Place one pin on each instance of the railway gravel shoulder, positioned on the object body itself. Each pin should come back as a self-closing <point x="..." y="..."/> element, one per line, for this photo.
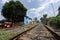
<point x="56" y="35"/>
<point x="24" y="30"/>
<point x="38" y="33"/>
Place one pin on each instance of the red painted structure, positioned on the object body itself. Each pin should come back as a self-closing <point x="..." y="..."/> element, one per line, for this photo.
<point x="8" y="24"/>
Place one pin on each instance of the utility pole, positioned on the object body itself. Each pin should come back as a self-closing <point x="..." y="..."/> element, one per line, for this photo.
<point x="53" y="8"/>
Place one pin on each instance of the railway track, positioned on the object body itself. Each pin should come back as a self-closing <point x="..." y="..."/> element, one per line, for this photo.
<point x="53" y="33"/>
<point x="37" y="33"/>
<point x="21" y="34"/>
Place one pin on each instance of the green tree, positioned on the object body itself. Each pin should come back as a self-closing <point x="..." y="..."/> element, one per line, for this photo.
<point x="45" y="16"/>
<point x="28" y="17"/>
<point x="14" y="11"/>
<point x="35" y="19"/>
<point x="41" y="19"/>
<point x="58" y="11"/>
<point x="54" y="21"/>
<point x="44" y="19"/>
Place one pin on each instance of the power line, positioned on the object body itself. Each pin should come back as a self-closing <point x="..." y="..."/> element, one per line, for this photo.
<point x="53" y="8"/>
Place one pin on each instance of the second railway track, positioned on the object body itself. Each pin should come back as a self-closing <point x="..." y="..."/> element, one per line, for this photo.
<point x="39" y="32"/>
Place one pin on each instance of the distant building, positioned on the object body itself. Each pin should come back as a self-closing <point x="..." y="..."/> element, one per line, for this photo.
<point x="27" y="20"/>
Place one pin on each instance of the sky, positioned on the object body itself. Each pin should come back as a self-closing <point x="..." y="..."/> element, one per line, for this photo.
<point x="37" y="8"/>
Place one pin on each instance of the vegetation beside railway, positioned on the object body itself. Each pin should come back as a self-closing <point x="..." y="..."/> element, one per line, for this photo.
<point x="55" y="22"/>
<point x="52" y="21"/>
<point x="14" y="11"/>
<point x="5" y="35"/>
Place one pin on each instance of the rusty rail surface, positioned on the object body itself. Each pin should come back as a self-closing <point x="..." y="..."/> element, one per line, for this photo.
<point x="21" y="34"/>
<point x="57" y="37"/>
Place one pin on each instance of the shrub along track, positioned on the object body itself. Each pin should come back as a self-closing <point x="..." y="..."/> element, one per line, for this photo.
<point x="54" y="35"/>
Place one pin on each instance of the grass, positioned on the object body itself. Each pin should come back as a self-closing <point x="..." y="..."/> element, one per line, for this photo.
<point x="5" y="35"/>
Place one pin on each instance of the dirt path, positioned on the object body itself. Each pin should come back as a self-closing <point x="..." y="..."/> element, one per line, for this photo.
<point x="38" y="33"/>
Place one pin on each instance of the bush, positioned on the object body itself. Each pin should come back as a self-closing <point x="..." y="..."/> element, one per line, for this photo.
<point x="54" y="21"/>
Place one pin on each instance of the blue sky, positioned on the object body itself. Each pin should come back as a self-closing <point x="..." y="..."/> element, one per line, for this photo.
<point x="36" y="8"/>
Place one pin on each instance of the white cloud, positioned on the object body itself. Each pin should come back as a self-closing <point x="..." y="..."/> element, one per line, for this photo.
<point x="41" y="7"/>
<point x="33" y="12"/>
<point x="3" y="1"/>
<point x="54" y="1"/>
<point x="37" y="10"/>
<point x="29" y="1"/>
